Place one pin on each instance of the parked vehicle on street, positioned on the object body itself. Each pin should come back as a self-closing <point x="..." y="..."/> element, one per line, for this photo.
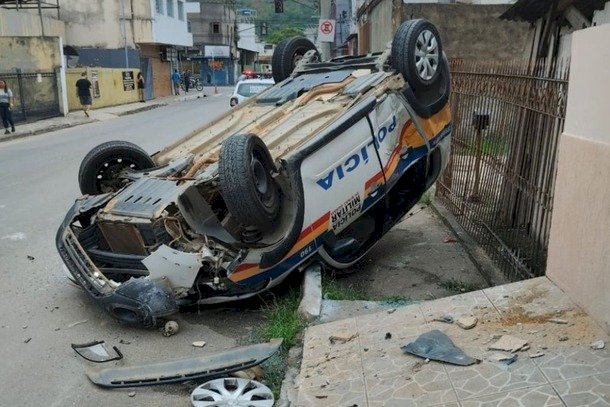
<point x="248" y="88"/>
<point x="312" y="171"/>
<point x="194" y="83"/>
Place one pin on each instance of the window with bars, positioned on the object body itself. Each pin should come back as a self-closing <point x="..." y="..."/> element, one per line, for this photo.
<point x="181" y="10"/>
<point x="170" y="8"/>
<point x="159" y="6"/>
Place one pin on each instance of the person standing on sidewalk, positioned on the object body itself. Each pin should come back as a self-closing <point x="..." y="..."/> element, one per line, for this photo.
<point x="83" y="90"/>
<point x="6" y="106"/>
<point x="187" y="81"/>
<point x="176" y="81"/>
<point x="141" y="84"/>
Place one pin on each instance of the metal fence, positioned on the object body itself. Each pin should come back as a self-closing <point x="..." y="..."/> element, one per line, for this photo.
<point x="499" y="182"/>
<point x="36" y="94"/>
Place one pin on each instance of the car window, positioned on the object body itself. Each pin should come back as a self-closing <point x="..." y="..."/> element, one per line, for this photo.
<point x="249" y="89"/>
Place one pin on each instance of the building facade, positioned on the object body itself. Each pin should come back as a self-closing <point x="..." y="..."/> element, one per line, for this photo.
<point x="214" y="34"/>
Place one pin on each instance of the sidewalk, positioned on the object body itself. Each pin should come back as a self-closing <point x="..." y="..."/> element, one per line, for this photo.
<point x="559" y="368"/>
<point x="75" y="118"/>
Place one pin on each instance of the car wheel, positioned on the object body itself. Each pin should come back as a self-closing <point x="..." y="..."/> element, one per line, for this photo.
<point x="101" y="168"/>
<point x="287" y="55"/>
<point x="245" y="170"/>
<point x="233" y="102"/>
<point x="427" y="102"/>
<point x="417" y="53"/>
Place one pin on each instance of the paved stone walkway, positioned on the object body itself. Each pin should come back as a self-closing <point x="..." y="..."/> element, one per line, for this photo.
<point x="370" y="370"/>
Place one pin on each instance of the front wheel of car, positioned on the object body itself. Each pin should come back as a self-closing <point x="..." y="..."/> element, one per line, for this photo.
<point x="101" y="169"/>
<point x="287" y="55"/>
<point x="245" y="170"/>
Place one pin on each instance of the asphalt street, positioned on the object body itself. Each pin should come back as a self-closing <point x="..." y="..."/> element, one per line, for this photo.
<point x="42" y="314"/>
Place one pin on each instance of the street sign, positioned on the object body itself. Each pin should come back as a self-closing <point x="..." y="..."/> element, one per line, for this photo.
<point x="326" y="30"/>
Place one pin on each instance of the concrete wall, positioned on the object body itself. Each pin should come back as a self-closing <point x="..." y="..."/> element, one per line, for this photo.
<point x="25" y="24"/>
<point x="201" y="24"/>
<point x="579" y="257"/>
<point x="110" y="85"/>
<point x="29" y="53"/>
<point x="467" y="31"/>
<point x="474" y="31"/>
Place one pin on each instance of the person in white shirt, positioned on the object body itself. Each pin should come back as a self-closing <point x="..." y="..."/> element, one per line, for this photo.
<point x="6" y="106"/>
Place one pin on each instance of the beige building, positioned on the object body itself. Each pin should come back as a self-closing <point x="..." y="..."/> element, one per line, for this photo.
<point x="579" y="257"/>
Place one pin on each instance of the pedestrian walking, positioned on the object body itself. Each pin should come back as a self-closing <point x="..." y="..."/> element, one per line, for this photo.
<point x="83" y="90"/>
<point x="141" y="84"/>
<point x="6" y="106"/>
<point x="187" y="81"/>
<point x="176" y="81"/>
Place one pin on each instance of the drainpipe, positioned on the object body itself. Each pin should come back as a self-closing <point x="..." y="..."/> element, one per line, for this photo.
<point x="124" y="32"/>
<point x="41" y="20"/>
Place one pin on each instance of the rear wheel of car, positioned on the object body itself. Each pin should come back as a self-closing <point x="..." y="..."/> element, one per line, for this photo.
<point x="245" y="169"/>
<point x="287" y="55"/>
<point x="101" y="168"/>
<point x="417" y="53"/>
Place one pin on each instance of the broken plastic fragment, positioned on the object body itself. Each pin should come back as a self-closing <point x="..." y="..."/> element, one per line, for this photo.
<point x="435" y="345"/>
<point x="97" y="352"/>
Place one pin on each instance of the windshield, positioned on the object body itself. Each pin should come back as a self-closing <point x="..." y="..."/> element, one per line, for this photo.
<point x="249" y="89"/>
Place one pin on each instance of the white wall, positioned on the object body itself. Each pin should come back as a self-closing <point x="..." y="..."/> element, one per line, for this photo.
<point x="171" y="30"/>
<point x="24" y="24"/>
<point x="247" y="38"/>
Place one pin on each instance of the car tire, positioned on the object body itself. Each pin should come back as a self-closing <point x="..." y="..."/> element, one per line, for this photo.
<point x="99" y="170"/>
<point x="427" y="102"/>
<point x="247" y="186"/>
<point x="417" y="53"/>
<point x="287" y="54"/>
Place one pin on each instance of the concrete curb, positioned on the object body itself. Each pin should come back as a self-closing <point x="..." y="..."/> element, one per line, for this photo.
<point x="311" y="301"/>
<point x="484" y="264"/>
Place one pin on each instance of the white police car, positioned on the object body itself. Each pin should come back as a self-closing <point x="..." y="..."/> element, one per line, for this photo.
<point x="248" y="88"/>
<point x="311" y="171"/>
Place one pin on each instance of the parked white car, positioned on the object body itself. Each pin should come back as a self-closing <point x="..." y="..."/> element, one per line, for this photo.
<point x="249" y="87"/>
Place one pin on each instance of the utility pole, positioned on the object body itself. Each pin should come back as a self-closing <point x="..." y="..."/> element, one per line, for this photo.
<point x="40" y="15"/>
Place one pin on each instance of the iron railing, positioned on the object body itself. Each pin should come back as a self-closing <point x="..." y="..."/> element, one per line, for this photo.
<point x="36" y="94"/>
<point x="499" y="183"/>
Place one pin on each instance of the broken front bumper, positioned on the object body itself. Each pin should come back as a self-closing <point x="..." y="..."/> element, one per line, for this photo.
<point x="136" y="301"/>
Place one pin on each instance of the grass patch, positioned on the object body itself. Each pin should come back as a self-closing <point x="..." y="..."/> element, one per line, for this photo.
<point x="397" y="300"/>
<point x="426" y="198"/>
<point x="281" y="321"/>
<point x="456" y="286"/>
<point x="332" y="290"/>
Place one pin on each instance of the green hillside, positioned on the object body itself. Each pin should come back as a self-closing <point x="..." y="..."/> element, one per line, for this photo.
<point x="299" y="14"/>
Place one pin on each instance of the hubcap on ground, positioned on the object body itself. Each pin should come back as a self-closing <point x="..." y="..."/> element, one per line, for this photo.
<point x="232" y="392"/>
<point x="426" y="55"/>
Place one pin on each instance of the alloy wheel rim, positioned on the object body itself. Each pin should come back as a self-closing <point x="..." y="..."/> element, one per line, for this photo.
<point x="232" y="392"/>
<point x="426" y="55"/>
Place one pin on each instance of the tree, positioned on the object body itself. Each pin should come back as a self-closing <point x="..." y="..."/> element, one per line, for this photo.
<point x="279" y="35"/>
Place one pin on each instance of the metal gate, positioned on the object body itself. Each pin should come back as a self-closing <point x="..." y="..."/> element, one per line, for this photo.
<point x="507" y="121"/>
<point x="36" y="94"/>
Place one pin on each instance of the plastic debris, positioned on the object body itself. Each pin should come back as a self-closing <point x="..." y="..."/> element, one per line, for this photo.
<point x="435" y="345"/>
<point x="598" y="345"/>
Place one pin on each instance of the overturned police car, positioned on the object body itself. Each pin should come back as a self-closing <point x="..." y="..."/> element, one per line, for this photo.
<point x="315" y="169"/>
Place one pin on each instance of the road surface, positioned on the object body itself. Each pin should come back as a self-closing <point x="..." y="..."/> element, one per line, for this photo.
<point x="37" y="186"/>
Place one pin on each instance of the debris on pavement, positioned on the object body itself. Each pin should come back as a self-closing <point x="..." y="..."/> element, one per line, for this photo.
<point x="598" y="345"/>
<point x="199" y="344"/>
<point x="73" y="324"/>
<point x="97" y="352"/>
<point x="27" y="340"/>
<point x="536" y="355"/>
<point x="182" y="370"/>
<point x="446" y="318"/>
<point x="131" y="394"/>
<point x="391" y="310"/>
<point x="388" y="335"/>
<point x="467" y="322"/>
<point x="450" y="239"/>
<point x="124" y="342"/>
<point x="342" y="337"/>
<point x="563" y="338"/>
<point x="508" y="343"/>
<point x="31" y="258"/>
<point x="435" y="345"/>
<point x="170" y="328"/>
<point x="557" y="321"/>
